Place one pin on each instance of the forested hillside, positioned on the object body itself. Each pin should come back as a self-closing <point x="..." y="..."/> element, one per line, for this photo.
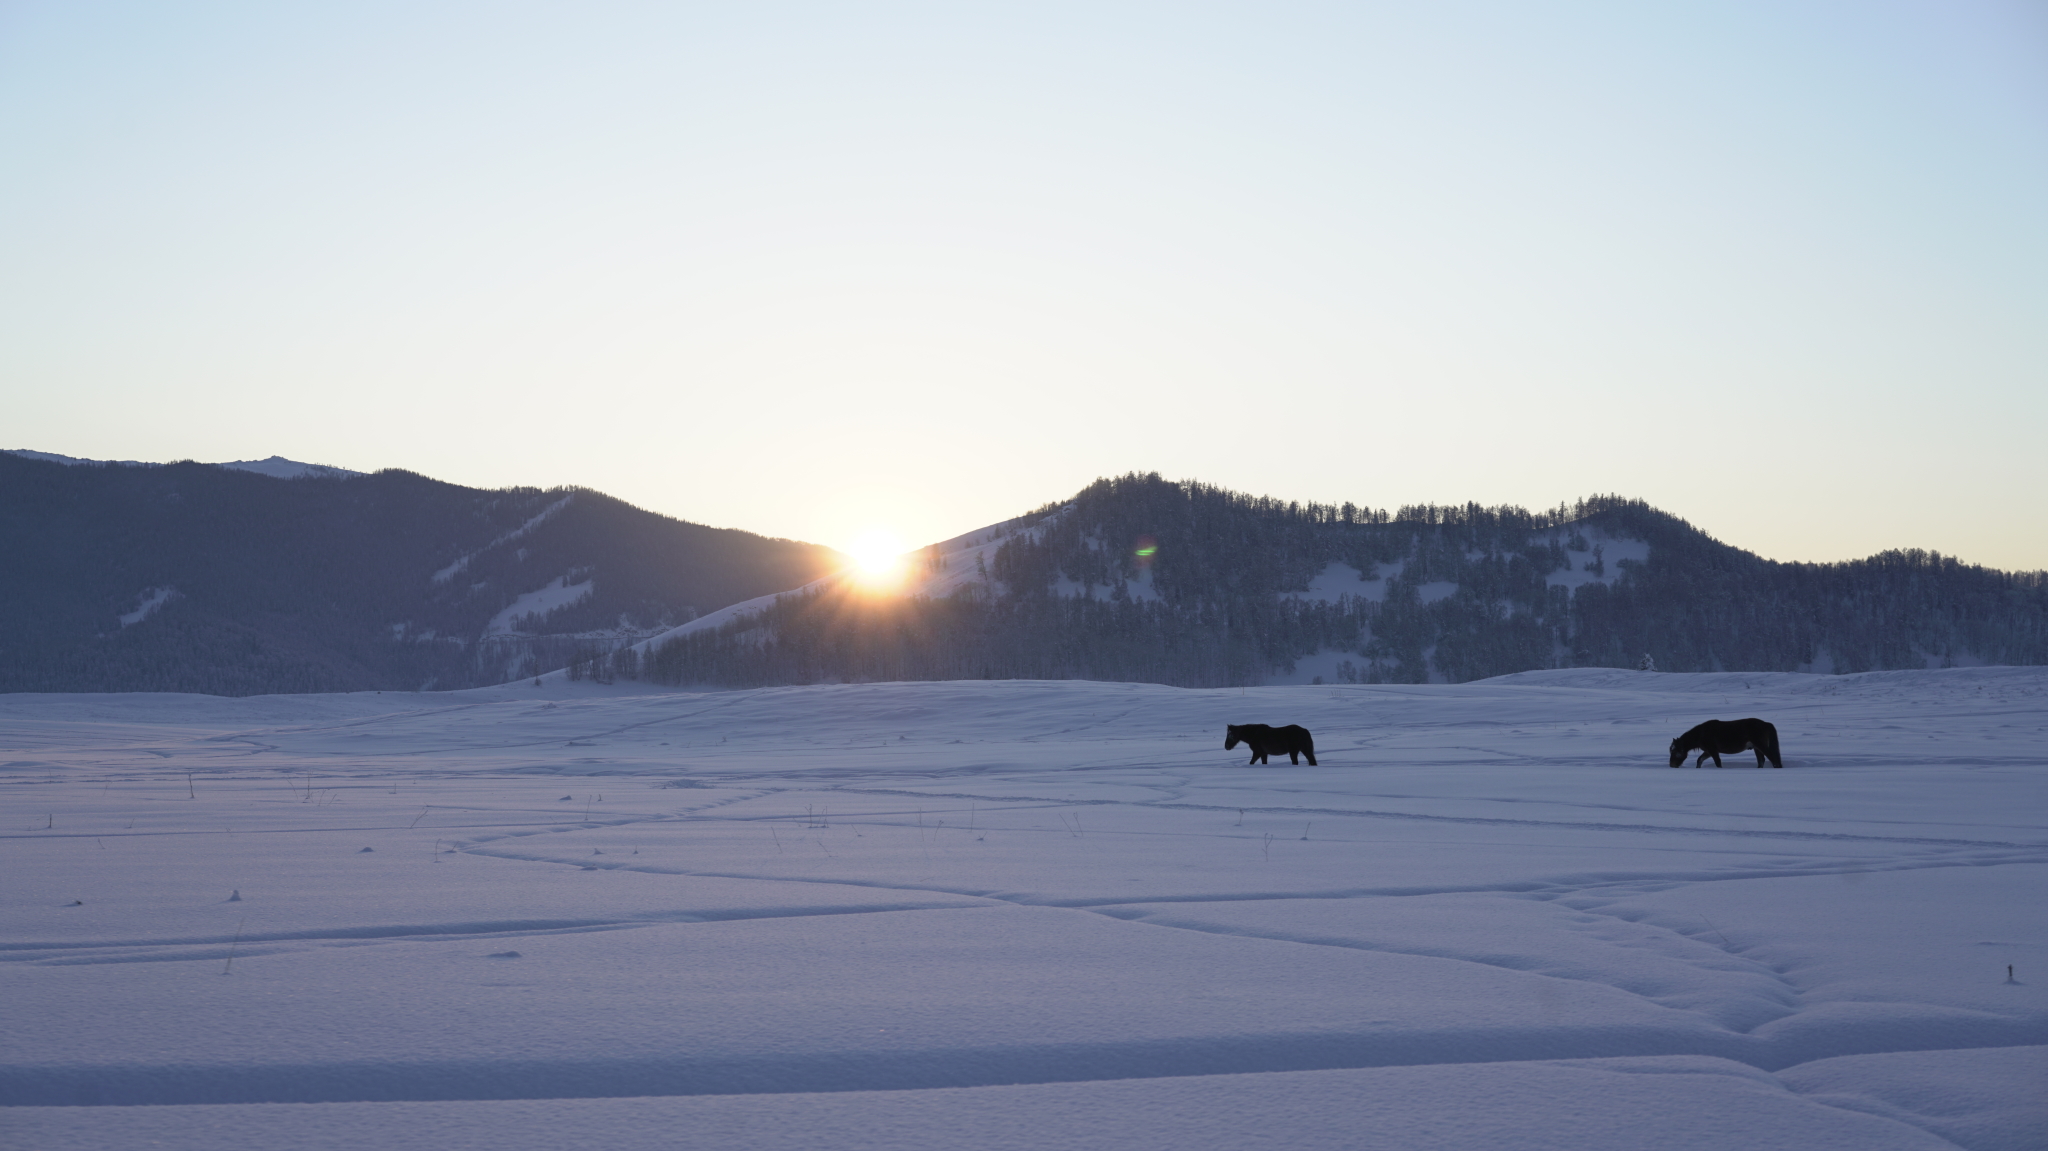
<point x="1142" y="579"/>
<point x="194" y="577"/>
<point x="197" y="577"/>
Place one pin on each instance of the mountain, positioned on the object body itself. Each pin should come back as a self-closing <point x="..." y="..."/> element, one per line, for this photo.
<point x="1142" y="579"/>
<point x="276" y="467"/>
<point x="229" y="580"/>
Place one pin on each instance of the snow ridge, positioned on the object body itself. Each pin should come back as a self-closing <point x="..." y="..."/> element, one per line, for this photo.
<point x="152" y="599"/>
<point x="461" y="562"/>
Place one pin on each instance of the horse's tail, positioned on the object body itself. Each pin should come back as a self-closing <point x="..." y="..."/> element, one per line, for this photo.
<point x="1308" y="748"/>
<point x="1770" y="745"/>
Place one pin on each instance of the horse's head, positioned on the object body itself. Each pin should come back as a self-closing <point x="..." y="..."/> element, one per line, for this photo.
<point x="1678" y="750"/>
<point x="1230" y="736"/>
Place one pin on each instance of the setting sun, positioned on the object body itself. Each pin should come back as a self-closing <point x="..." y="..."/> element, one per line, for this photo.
<point x="877" y="555"/>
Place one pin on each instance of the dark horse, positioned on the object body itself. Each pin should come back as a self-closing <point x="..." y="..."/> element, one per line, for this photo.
<point x="1263" y="740"/>
<point x="1730" y="735"/>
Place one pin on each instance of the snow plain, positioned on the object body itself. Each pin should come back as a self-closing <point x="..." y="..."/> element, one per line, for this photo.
<point x="1029" y="914"/>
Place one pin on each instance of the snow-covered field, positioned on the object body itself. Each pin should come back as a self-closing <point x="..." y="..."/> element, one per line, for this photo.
<point x="1029" y="915"/>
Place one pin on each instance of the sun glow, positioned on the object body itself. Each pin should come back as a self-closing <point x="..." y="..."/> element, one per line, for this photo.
<point x="877" y="557"/>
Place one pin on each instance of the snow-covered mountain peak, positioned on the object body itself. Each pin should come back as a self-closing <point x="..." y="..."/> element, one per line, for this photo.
<point x="278" y="467"/>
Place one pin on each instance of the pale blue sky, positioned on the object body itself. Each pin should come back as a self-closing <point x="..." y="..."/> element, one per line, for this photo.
<point x="1780" y="268"/>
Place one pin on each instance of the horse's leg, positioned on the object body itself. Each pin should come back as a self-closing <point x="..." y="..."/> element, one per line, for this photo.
<point x="1294" y="757"/>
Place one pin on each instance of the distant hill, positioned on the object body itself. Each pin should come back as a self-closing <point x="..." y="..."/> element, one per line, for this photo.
<point x="1143" y="579"/>
<point x="276" y="467"/>
<point x="230" y="580"/>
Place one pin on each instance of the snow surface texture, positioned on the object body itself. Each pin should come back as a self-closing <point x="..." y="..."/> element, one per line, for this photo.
<point x="276" y="467"/>
<point x="1029" y="915"/>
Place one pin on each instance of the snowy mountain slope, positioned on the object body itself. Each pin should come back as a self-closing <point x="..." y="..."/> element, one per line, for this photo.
<point x="560" y="594"/>
<point x="964" y="563"/>
<point x="1020" y="914"/>
<point x="947" y="568"/>
<point x="203" y="577"/>
<point x="1140" y="579"/>
<point x="227" y="580"/>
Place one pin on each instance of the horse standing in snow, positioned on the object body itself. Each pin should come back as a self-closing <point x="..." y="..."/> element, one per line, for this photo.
<point x="1263" y="740"/>
<point x="1730" y="735"/>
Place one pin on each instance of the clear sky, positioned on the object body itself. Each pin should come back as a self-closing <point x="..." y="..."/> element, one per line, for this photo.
<point x="1778" y="267"/>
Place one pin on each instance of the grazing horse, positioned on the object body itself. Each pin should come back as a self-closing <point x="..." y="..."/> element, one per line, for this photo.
<point x="1292" y="739"/>
<point x="1730" y="735"/>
